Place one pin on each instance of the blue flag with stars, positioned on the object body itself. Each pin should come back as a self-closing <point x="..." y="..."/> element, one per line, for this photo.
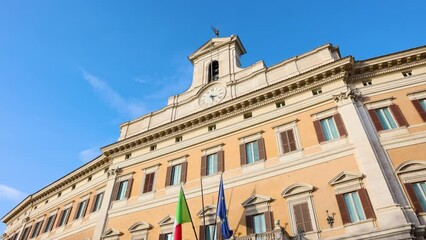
<point x="221" y="213"/>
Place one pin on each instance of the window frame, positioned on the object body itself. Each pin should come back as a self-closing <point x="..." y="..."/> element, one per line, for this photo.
<point x="37" y="228"/>
<point x="411" y="172"/>
<point x="395" y="112"/>
<point x="81" y="210"/>
<point x="338" y="124"/>
<point x="347" y="182"/>
<point x="255" y="138"/>
<point x="50" y="224"/>
<point x="183" y="174"/>
<point x="415" y="98"/>
<point x="98" y="198"/>
<point x="220" y="160"/>
<point x="300" y="193"/>
<point x="118" y="193"/>
<point x="283" y="128"/>
<point x="64" y="216"/>
<point x="254" y="206"/>
<point x="153" y="170"/>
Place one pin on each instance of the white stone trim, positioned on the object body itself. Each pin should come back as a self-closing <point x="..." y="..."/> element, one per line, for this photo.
<point x="412" y="171"/>
<point x="346" y="182"/>
<point x="379" y="104"/>
<point x="209" y="214"/>
<point x="153" y="169"/>
<point x="166" y="224"/>
<point x="212" y="150"/>
<point x="282" y="128"/>
<point x="324" y="114"/>
<point x="251" y="137"/>
<point x="417" y="95"/>
<point x="140" y="230"/>
<point x="296" y="189"/>
<point x="177" y="161"/>
<point x="125" y="177"/>
<point x="256" y="204"/>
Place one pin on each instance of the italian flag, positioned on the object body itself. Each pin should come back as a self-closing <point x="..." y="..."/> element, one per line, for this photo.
<point x="182" y="216"/>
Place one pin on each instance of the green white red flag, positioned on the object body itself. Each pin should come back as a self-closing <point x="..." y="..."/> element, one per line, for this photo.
<point x="182" y="216"/>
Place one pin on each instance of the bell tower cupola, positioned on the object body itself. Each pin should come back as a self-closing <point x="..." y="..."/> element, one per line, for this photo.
<point x="216" y="60"/>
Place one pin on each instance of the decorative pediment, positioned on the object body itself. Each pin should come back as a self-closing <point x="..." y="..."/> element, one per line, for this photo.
<point x="215" y="43"/>
<point x="297" y="188"/>
<point x="256" y="199"/>
<point x="346" y="177"/>
<point x="208" y="211"/>
<point x="112" y="232"/>
<point x="140" y="226"/>
<point x="167" y="221"/>
<point x="411" y="166"/>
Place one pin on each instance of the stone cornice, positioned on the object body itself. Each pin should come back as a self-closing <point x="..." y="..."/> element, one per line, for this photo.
<point x="246" y="102"/>
<point x="59" y="185"/>
<point x="389" y="63"/>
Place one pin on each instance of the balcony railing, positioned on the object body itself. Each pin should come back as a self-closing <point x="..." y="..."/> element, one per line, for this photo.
<point x="278" y="234"/>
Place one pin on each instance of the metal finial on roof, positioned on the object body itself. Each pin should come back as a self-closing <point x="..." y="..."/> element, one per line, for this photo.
<point x="215" y="30"/>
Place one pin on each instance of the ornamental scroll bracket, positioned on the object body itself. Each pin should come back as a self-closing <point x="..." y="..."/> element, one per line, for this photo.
<point x="351" y="94"/>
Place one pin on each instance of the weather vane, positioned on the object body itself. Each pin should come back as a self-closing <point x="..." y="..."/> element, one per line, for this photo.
<point x="215" y="30"/>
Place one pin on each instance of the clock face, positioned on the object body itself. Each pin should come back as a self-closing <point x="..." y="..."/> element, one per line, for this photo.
<point x="211" y="96"/>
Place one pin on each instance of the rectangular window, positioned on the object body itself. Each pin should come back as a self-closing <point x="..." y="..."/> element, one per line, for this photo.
<point x="149" y="182"/>
<point x="178" y="139"/>
<point x="420" y="105"/>
<point x="280" y="104"/>
<point x="247" y="115"/>
<point x="98" y="202"/>
<point x="354" y="207"/>
<point x="316" y="91"/>
<point x="169" y="236"/>
<point x="25" y="233"/>
<point x="211" y="231"/>
<point x="81" y="209"/>
<point x="302" y="217"/>
<point x="329" y="129"/>
<point x="288" y="142"/>
<point x="153" y="147"/>
<point x="49" y="224"/>
<point x="423" y="104"/>
<point x="176" y="174"/>
<point x="122" y="189"/>
<point x="36" y="229"/>
<point x="64" y="217"/>
<point x="385" y="118"/>
<point x="252" y="152"/>
<point x="212" y="127"/>
<point x="259" y="225"/>
<point x="367" y="83"/>
<point x="212" y="164"/>
<point x="420" y="191"/>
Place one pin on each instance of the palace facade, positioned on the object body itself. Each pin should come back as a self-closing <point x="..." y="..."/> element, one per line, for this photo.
<point x="318" y="146"/>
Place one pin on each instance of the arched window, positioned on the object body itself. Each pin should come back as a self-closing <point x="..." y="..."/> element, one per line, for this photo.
<point x="213" y="71"/>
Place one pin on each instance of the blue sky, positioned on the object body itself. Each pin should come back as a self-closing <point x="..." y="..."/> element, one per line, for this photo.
<point x="72" y="71"/>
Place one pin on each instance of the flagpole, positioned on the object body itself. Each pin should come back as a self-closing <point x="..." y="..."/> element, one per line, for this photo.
<point x="186" y="203"/>
<point x="215" y="219"/>
<point x="202" y="202"/>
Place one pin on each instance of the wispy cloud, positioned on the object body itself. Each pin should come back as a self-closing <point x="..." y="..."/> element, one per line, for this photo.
<point x="88" y="154"/>
<point x="168" y="85"/>
<point x="114" y="99"/>
<point x="9" y="193"/>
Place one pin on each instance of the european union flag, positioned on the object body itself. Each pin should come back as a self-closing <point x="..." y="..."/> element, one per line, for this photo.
<point x="221" y="213"/>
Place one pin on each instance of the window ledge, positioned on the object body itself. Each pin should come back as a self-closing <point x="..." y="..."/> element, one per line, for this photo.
<point x="327" y="145"/>
<point x="119" y="203"/>
<point x="77" y="222"/>
<point x="146" y="196"/>
<point x="214" y="178"/>
<point x="174" y="189"/>
<point x="394" y="132"/>
<point x="94" y="215"/>
<point x="291" y="156"/>
<point x="258" y="165"/>
<point x="360" y="226"/>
